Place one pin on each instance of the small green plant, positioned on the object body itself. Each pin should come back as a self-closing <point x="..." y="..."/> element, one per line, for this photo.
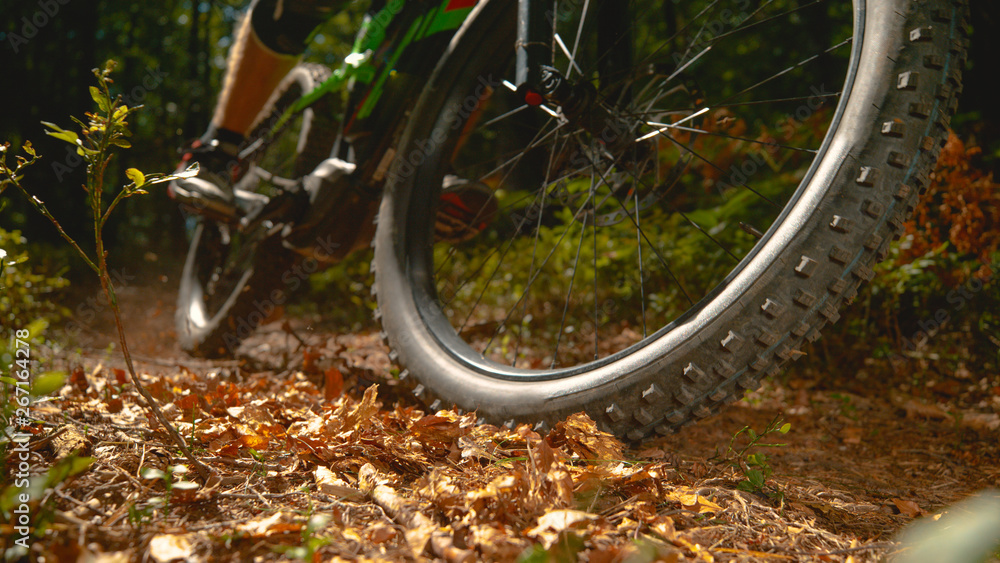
<point x="260" y="463"/>
<point x="170" y="484"/>
<point x="99" y="139"/>
<point x="23" y="503"/>
<point x="25" y="292"/>
<point x="311" y="542"/>
<point x="753" y="465"/>
<point x="140" y="515"/>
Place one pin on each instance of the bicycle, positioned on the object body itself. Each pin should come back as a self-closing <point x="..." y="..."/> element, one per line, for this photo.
<point x="667" y="204"/>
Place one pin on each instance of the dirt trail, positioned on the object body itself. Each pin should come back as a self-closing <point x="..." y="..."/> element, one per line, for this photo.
<point x="864" y="457"/>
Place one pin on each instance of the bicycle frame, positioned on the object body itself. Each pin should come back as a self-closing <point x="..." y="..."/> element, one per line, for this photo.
<point x="397" y="45"/>
<point x="409" y="30"/>
<point x="395" y="53"/>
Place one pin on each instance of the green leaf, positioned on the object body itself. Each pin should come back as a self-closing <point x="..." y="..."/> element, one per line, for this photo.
<point x="136" y="176"/>
<point x="62" y="134"/>
<point x="785" y="428"/>
<point x="189" y="172"/>
<point x="756" y="478"/>
<point x="536" y="554"/>
<point x="98" y="97"/>
<point x="151" y="473"/>
<point x="122" y="143"/>
<point x="37" y="326"/>
<point x="317" y="522"/>
<point x="66" y="468"/>
<point x="84" y="151"/>
<point x="48" y="383"/>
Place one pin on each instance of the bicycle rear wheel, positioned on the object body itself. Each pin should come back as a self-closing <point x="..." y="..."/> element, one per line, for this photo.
<point x="236" y="276"/>
<point x="735" y="191"/>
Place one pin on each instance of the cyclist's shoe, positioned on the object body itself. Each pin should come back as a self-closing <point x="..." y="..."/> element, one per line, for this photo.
<point x="210" y="193"/>
<point x="467" y="208"/>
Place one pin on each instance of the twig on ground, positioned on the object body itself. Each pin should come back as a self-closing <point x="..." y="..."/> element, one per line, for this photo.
<point x="78" y="502"/>
<point x="441" y="542"/>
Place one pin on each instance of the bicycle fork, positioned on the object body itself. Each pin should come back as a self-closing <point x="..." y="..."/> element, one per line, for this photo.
<point x="539" y="82"/>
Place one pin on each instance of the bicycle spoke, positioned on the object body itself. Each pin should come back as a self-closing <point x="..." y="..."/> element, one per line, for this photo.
<point x="642" y="277"/>
<point x="787" y="70"/>
<point x="532" y="280"/>
<point x="579" y="34"/>
<point x="500" y="118"/>
<point x="562" y="46"/>
<point x="534" y="250"/>
<point x="646" y="204"/>
<point x="545" y="187"/>
<point x="737" y="104"/>
<point x="771" y="18"/>
<point x="659" y="256"/>
<point x="723" y="135"/>
<point x="569" y="293"/>
<point x="597" y="318"/>
<point x="716" y="166"/>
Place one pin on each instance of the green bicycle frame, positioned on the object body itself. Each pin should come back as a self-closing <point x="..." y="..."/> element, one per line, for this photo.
<point x="403" y="30"/>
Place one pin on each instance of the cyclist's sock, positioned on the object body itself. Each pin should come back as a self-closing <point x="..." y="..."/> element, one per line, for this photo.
<point x="268" y="44"/>
<point x="229" y="141"/>
<point x="254" y="72"/>
<point x="286" y="26"/>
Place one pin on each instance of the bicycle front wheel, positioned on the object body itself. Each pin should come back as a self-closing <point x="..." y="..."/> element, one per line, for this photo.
<point x="728" y="178"/>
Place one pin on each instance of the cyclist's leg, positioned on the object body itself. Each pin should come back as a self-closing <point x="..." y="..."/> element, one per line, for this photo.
<point x="268" y="44"/>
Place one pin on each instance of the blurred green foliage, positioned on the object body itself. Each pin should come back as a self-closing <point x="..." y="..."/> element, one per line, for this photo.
<point x="26" y="289"/>
<point x="172" y="59"/>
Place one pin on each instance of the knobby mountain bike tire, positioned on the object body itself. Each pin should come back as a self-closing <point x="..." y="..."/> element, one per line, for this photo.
<point x="758" y="162"/>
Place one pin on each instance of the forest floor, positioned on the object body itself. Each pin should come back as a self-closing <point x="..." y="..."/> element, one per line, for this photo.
<point x="320" y="455"/>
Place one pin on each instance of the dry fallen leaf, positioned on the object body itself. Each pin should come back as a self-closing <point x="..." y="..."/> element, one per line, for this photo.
<point x="583" y="438"/>
<point x="555" y="522"/>
<point x="69" y="439"/>
<point x="87" y="556"/>
<point x="984" y="422"/>
<point x="908" y="507"/>
<point x="381" y="533"/>
<point x="166" y="548"/>
<point x="277" y="523"/>
<point x="852" y="435"/>
<point x="691" y="500"/>
<point x="329" y="483"/>
<point x="333" y="385"/>
<point x="664" y="527"/>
